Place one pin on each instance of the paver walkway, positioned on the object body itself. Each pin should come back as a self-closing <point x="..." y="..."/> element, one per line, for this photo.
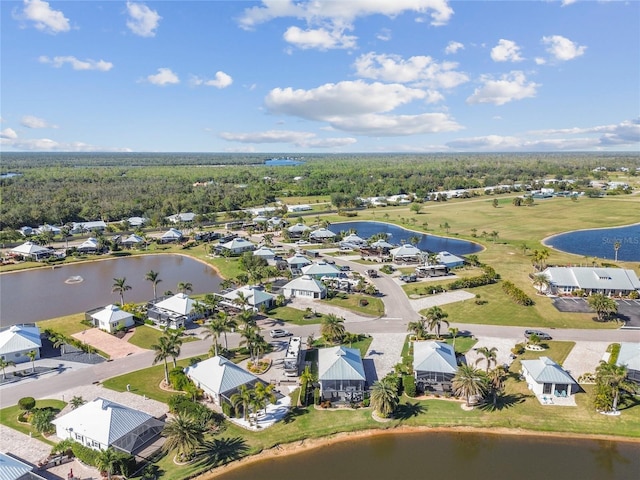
<point x="109" y="344"/>
<point x="384" y="353"/>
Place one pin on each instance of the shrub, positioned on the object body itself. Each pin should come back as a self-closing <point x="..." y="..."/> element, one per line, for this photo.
<point x="228" y="410"/>
<point x="364" y="302"/>
<point x="366" y="402"/>
<point x="27" y="403"/>
<point x="516" y="294"/>
<point x="85" y="454"/>
<point x="409" y="385"/>
<point x="316" y="396"/>
<point x="518" y="349"/>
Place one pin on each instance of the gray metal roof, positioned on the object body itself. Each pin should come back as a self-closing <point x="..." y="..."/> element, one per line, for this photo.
<point x="629" y="355"/>
<point x="588" y="278"/>
<point x="19" y="338"/>
<point x="545" y="370"/>
<point x="305" y="283"/>
<point x="11" y="468"/>
<point x="219" y="374"/>
<point x="434" y="357"/>
<point x="340" y="363"/>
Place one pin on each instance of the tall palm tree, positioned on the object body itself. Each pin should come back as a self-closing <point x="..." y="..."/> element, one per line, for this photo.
<point x="152" y="277"/>
<point x="469" y="382"/>
<point x="185" y="434"/>
<point x="241" y="300"/>
<point x="77" y="401"/>
<point x="332" y="328"/>
<point x="603" y="305"/>
<point x="107" y="461"/>
<point x="163" y="350"/>
<point x="32" y="354"/>
<point x="417" y="328"/>
<point x="264" y="395"/>
<point x="175" y="343"/>
<point x="229" y="323"/>
<point x="384" y="397"/>
<point x="4" y="364"/>
<point x="58" y="340"/>
<point x="435" y="317"/>
<point x="243" y="398"/>
<point x="488" y="355"/>
<point x="120" y="286"/>
<point x="214" y="329"/>
<point x="613" y="378"/>
<point x="541" y="282"/>
<point x="185" y="287"/>
<point x="616" y="247"/>
<point x="496" y="378"/>
<point x="453" y="331"/>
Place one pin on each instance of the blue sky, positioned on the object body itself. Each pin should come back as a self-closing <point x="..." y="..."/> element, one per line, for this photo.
<point x="320" y="76"/>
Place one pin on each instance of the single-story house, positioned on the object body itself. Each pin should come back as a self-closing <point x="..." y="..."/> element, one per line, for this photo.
<point x="298" y="208"/>
<point x="90" y="245"/>
<point x="304" y="286"/>
<point x="298" y="261"/>
<point x="17" y="341"/>
<point x="174" y="311"/>
<point x="381" y="245"/>
<point x="137" y="221"/>
<point x="449" y="260"/>
<point x="101" y="424"/>
<point x="49" y="228"/>
<point x="406" y="253"/>
<point x="237" y="246"/>
<point x="13" y="469"/>
<point x="353" y="240"/>
<point x="322" y="235"/>
<point x="341" y="374"/>
<point x="182" y="217"/>
<point x="320" y="269"/>
<point x="26" y="231"/>
<point x="220" y="378"/>
<point x="171" y="235"/>
<point x="31" y="251"/>
<point x="132" y="240"/>
<point x="629" y="356"/>
<point x="81" y="227"/>
<point x="110" y="318"/>
<point x="546" y="377"/>
<point x="434" y="366"/>
<point x="266" y="253"/>
<point x="256" y="298"/>
<point x="298" y="230"/>
<point x="608" y="281"/>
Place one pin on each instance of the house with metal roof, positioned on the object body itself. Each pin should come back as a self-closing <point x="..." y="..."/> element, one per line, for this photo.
<point x="17" y="341"/>
<point x="449" y="259"/>
<point x="548" y="380"/>
<point x="173" y="311"/>
<point x="101" y="424"/>
<point x="220" y="378"/>
<point x="298" y="261"/>
<point x="322" y="235"/>
<point x="171" y="235"/>
<point x="255" y="297"/>
<point x="406" y="253"/>
<point x="434" y="366"/>
<point x="319" y="270"/>
<point x="266" y="253"/>
<point x="90" y="245"/>
<point x="81" y="227"/>
<point x="353" y="240"/>
<point x="341" y="374"/>
<point x="182" y="217"/>
<point x="111" y="318"/>
<point x="137" y="221"/>
<point x="13" y="469"/>
<point x="237" y="246"/>
<point x="608" y="281"/>
<point x="298" y="230"/>
<point x="629" y="356"/>
<point x="31" y="251"/>
<point x="304" y="286"/>
<point x="49" y="228"/>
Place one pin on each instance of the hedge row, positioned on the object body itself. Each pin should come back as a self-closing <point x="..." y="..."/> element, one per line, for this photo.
<point x="516" y="294"/>
<point x="489" y="276"/>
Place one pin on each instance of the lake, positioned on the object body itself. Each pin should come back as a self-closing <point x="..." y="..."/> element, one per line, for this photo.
<point x="34" y="295"/>
<point x="452" y="456"/>
<point x="396" y="234"/>
<point x="600" y="242"/>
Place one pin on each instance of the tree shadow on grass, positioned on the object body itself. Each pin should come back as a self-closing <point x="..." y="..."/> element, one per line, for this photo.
<point x="408" y="410"/>
<point x="220" y="451"/>
<point x="504" y="401"/>
<point x="294" y="413"/>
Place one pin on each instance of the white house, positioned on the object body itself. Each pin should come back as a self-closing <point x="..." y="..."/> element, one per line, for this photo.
<point x="353" y="240"/>
<point x="111" y="317"/>
<point x="406" y="253"/>
<point x="220" y="378"/>
<point x="238" y="246"/>
<point x="17" y="341"/>
<point x="548" y="380"/>
<point x="132" y="241"/>
<point x="629" y="356"/>
<point x="182" y="217"/>
<point x="449" y="259"/>
<point x="171" y="235"/>
<point x="90" y="245"/>
<point x="322" y="235"/>
<point x="81" y="227"/>
<point x="298" y="261"/>
<point x="31" y="251"/>
<point x="341" y="374"/>
<point x="49" y="228"/>
<point x="13" y="469"/>
<point x="101" y="424"/>
<point x="304" y="286"/>
<point x="320" y="269"/>
<point x="266" y="253"/>
<point x="609" y="281"/>
<point x="137" y="221"/>
<point x="434" y="365"/>
<point x="298" y="208"/>
<point x="298" y="230"/>
<point x="172" y="312"/>
<point x="256" y="298"/>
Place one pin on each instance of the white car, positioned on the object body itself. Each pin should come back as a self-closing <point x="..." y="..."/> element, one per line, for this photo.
<point x="279" y="332"/>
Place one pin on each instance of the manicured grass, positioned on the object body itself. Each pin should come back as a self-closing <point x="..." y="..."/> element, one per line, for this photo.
<point x="374" y="308"/>
<point x="146" y="336"/>
<point x="556" y="351"/>
<point x="67" y="325"/>
<point x="9" y="418"/>
<point x="293" y="315"/>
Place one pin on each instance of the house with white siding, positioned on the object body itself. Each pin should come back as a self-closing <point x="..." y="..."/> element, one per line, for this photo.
<point x="17" y="341"/>
<point x="608" y="281"/>
<point x="341" y="374"/>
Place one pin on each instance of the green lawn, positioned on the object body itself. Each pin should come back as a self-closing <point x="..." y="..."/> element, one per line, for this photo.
<point x="67" y="325"/>
<point x="556" y="351"/>
<point x="294" y="315"/>
<point x="146" y="336"/>
<point x="375" y="307"/>
<point x="9" y="418"/>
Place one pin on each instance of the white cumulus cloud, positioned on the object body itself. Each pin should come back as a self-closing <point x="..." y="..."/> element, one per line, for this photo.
<point x="142" y="20"/>
<point x="506" y="51"/>
<point x="76" y="64"/>
<point x="509" y="87"/>
<point x="299" y="139"/>
<point x="9" y="139"/>
<point x="30" y="121"/>
<point x="44" y="17"/>
<point x="221" y="80"/>
<point x="375" y="125"/>
<point x="453" y="47"/>
<point x="319" y="38"/>
<point x="563" y="49"/>
<point x="8" y="133"/>
<point x="164" y="77"/>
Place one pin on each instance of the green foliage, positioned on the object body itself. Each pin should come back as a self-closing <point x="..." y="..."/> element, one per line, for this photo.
<point x="27" y="403"/>
<point x="41" y="419"/>
<point x="85" y="454"/>
<point x="409" y="385"/>
<point x="178" y="379"/>
<point x="228" y="410"/>
<point x="516" y="294"/>
<point x="316" y="396"/>
<point x="614" y="352"/>
<point x="489" y="276"/>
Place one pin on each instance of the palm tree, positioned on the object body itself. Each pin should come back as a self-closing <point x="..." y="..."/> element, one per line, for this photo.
<point x="332" y="328"/>
<point x="214" y="329"/>
<point x="4" y="364"/>
<point x="77" y="401"/>
<point x="152" y="277"/>
<point x="469" y="382"/>
<point x="244" y="398"/>
<point x="58" y="340"/>
<point x="264" y="395"/>
<point x="616" y="247"/>
<point x="107" y="461"/>
<point x="496" y="378"/>
<point x="184" y="434"/>
<point x="384" y="397"/>
<point x="417" y="328"/>
<point x="175" y="342"/>
<point x="435" y="318"/>
<point x="241" y="300"/>
<point x="489" y="355"/>
<point x="185" y="287"/>
<point x="453" y="331"/>
<point x="32" y="354"/>
<point x="163" y="350"/>
<point x="603" y="305"/>
<point x="541" y="282"/>
<point x="120" y="286"/>
<point x="613" y="378"/>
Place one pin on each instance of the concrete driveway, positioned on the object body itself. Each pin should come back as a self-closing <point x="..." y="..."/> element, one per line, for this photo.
<point x="111" y="345"/>
<point x="504" y="346"/>
<point x="585" y="357"/>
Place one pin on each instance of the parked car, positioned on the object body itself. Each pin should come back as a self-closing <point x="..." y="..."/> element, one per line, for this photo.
<point x="408" y="278"/>
<point x="279" y="332"/>
<point x="344" y="268"/>
<point x="538" y="333"/>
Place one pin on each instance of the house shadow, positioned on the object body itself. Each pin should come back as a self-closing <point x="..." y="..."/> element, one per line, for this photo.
<point x="220" y="451"/>
<point x="409" y="410"/>
<point x="293" y="413"/>
<point x="370" y="370"/>
<point x="504" y="402"/>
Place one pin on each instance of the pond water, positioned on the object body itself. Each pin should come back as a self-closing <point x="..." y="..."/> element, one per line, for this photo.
<point x="396" y="234"/>
<point x="282" y="162"/>
<point x="440" y="455"/>
<point x="33" y="295"/>
<point x="600" y="243"/>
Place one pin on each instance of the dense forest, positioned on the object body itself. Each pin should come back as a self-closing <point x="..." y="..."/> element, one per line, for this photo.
<point x="61" y="188"/>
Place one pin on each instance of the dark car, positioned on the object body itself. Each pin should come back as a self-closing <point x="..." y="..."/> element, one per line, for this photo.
<point x="538" y="333"/>
<point x="279" y="332"/>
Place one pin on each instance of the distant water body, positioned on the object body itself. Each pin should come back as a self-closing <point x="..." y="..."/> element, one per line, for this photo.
<point x="600" y="243"/>
<point x="396" y="235"/>
<point x="282" y="162"/>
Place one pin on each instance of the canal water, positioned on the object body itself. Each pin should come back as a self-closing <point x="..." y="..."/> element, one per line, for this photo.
<point x="601" y="242"/>
<point x="396" y="235"/>
<point x="454" y="456"/>
<point x="34" y="295"/>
